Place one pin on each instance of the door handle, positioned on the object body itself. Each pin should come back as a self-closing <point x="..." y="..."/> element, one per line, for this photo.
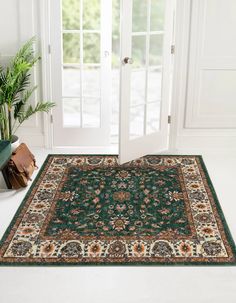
<point x="127" y="60"/>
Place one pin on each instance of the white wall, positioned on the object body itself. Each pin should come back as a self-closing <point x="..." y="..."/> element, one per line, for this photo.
<point x="19" y="21"/>
<point x="204" y="93"/>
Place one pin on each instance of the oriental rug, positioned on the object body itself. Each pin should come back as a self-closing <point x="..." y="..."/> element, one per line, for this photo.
<point x="89" y="210"/>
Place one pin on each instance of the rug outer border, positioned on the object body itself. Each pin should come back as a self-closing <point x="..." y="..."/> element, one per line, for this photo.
<point x="122" y="264"/>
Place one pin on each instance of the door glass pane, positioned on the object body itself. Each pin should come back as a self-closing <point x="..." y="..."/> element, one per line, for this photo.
<point x="91" y="48"/>
<point x="139" y="51"/>
<point x="91" y="82"/>
<point x="154" y="85"/>
<point x="91" y="112"/>
<point x="81" y="35"/>
<point x="153" y="117"/>
<point x="71" y="14"/>
<point x="156" y="48"/>
<point x="138" y="78"/>
<point x="71" y="112"/>
<point x="139" y="16"/>
<point x="91" y="14"/>
<point x="157" y="15"/>
<point x="146" y="74"/>
<point x="71" y="81"/>
<point x="136" y="122"/>
<point x="71" y="48"/>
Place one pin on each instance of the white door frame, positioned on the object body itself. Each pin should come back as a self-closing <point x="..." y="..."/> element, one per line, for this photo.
<point x="182" y="16"/>
<point x="47" y="87"/>
<point x="180" y="68"/>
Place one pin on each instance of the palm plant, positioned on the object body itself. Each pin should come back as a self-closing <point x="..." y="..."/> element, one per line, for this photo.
<point x="15" y="91"/>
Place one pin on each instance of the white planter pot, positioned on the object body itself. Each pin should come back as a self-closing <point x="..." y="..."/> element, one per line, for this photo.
<point x="15" y="143"/>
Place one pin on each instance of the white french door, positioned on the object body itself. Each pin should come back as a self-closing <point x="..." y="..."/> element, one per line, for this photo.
<point x="145" y="77"/>
<point x="85" y="59"/>
<point x="81" y="71"/>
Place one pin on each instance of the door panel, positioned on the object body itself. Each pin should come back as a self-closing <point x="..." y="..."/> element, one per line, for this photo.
<point x="81" y="72"/>
<point x="145" y="79"/>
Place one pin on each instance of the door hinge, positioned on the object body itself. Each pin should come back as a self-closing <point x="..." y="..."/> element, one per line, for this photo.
<point x="172" y="49"/>
<point x="49" y="48"/>
<point x="169" y="119"/>
<point x="51" y="118"/>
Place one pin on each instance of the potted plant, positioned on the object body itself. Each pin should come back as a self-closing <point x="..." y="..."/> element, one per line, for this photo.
<point x="15" y="92"/>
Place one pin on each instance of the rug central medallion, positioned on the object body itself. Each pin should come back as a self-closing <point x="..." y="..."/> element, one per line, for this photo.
<point x="88" y="209"/>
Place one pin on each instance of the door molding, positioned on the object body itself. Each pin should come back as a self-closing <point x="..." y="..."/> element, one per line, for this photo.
<point x="182" y="31"/>
<point x="181" y="136"/>
<point x="212" y="68"/>
<point x="27" y="21"/>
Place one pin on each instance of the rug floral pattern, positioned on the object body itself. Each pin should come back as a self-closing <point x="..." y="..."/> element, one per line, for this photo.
<point x="90" y="210"/>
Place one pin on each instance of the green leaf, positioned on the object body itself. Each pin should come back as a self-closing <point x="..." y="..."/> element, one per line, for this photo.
<point x="40" y="107"/>
<point x="19" y="106"/>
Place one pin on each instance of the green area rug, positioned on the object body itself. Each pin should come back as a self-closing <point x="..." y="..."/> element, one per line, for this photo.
<point x="83" y="209"/>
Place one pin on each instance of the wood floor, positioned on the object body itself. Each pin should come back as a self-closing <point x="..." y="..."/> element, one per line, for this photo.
<point x="125" y="284"/>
